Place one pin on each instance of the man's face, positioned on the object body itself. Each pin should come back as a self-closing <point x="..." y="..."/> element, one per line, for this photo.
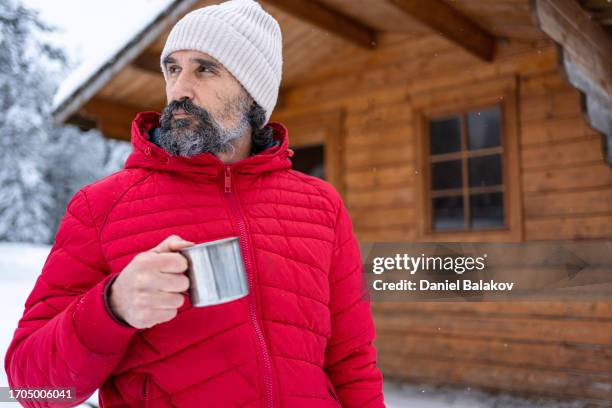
<point x="207" y="107"/>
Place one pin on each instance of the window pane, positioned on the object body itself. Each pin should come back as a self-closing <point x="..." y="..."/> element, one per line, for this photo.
<point x="487" y="210"/>
<point x="483" y="128"/>
<point x="446" y="174"/>
<point x="485" y="170"/>
<point x="445" y="135"/>
<point x="448" y="213"/>
<point x="309" y="160"/>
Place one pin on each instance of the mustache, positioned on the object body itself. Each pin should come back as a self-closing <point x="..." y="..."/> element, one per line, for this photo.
<point x="186" y="106"/>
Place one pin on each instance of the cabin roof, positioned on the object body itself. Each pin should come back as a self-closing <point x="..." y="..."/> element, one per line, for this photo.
<point x="319" y="35"/>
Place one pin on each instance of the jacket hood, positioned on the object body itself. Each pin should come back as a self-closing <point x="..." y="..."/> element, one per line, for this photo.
<point x="146" y="154"/>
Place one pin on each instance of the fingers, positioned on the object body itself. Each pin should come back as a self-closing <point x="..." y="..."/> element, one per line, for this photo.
<point x="172" y="283"/>
<point x="171" y="301"/>
<point x="150" y="301"/>
<point x="171" y="244"/>
<point x="160" y="316"/>
<point x="167" y="262"/>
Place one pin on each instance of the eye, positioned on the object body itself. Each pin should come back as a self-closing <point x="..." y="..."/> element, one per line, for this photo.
<point x="173" y="69"/>
<point x="204" y="68"/>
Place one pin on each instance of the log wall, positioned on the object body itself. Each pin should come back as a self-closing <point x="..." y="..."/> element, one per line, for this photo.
<point x="557" y="349"/>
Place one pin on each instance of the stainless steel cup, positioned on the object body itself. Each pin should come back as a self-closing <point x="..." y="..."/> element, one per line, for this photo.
<point x="216" y="272"/>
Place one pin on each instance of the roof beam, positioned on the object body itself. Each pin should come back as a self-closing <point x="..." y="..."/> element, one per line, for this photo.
<point x="585" y="52"/>
<point x="112" y="118"/>
<point x="449" y="22"/>
<point x="583" y="39"/>
<point x="330" y="20"/>
<point x="148" y="61"/>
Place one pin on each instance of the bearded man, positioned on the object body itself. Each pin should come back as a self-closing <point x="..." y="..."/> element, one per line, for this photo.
<point x="111" y="309"/>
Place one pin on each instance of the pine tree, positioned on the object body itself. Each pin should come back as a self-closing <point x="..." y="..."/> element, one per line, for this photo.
<point x="41" y="166"/>
<point x="25" y="95"/>
<point x="75" y="159"/>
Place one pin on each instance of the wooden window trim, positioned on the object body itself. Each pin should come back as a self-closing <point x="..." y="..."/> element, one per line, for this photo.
<point x="320" y="127"/>
<point x="436" y="104"/>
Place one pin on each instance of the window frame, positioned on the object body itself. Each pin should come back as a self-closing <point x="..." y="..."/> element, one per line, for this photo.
<point x="319" y="128"/>
<point x="459" y="101"/>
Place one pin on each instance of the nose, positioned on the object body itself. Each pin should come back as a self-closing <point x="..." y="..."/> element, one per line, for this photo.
<point x="182" y="87"/>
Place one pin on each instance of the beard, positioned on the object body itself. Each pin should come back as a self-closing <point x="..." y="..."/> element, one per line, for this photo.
<point x="200" y="132"/>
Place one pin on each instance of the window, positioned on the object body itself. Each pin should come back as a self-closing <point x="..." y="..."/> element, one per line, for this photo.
<point x="309" y="160"/>
<point x="317" y="139"/>
<point x="467" y="166"/>
<point x="465" y="156"/>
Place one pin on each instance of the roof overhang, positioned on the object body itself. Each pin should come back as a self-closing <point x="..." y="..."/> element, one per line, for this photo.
<point x="71" y="96"/>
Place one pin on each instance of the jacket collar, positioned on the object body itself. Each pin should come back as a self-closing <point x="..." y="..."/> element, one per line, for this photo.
<point x="146" y="154"/>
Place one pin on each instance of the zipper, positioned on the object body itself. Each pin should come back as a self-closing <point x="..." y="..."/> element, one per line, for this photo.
<point x="228" y="179"/>
<point x="244" y="247"/>
<point x="145" y="391"/>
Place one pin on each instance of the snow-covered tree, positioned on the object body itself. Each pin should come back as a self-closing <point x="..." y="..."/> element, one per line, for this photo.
<point x="41" y="166"/>
<point x="25" y="92"/>
<point x="76" y="158"/>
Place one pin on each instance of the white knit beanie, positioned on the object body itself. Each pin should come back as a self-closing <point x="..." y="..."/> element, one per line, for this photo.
<point x="243" y="37"/>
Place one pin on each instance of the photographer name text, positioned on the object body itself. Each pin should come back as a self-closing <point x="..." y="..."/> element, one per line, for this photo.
<point x="424" y="284"/>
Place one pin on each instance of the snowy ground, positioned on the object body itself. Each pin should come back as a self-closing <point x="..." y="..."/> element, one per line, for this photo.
<point x="20" y="265"/>
<point x="412" y="396"/>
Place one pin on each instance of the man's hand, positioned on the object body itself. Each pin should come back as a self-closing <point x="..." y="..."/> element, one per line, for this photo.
<point x="148" y="290"/>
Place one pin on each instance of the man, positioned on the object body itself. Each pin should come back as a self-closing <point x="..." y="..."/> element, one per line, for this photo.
<point x="110" y="309"/>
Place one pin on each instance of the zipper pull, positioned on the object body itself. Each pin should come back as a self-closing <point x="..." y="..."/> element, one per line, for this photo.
<point x="228" y="179"/>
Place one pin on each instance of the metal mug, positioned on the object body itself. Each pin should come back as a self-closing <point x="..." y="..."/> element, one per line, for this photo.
<point x="216" y="272"/>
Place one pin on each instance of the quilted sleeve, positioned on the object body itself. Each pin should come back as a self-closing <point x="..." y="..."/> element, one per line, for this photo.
<point x="66" y="336"/>
<point x="350" y="358"/>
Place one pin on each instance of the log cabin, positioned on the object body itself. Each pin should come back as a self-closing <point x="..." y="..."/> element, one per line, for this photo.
<point x="437" y="121"/>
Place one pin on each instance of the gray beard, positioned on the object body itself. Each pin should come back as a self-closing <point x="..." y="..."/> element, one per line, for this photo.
<point x="200" y="132"/>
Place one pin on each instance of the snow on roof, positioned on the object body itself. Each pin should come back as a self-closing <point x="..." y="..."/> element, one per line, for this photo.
<point x="93" y="73"/>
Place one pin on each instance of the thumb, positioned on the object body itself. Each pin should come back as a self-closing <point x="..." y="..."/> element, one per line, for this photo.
<point x="171" y="244"/>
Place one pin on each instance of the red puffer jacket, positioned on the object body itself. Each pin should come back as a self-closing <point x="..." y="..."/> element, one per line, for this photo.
<point x="302" y="338"/>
